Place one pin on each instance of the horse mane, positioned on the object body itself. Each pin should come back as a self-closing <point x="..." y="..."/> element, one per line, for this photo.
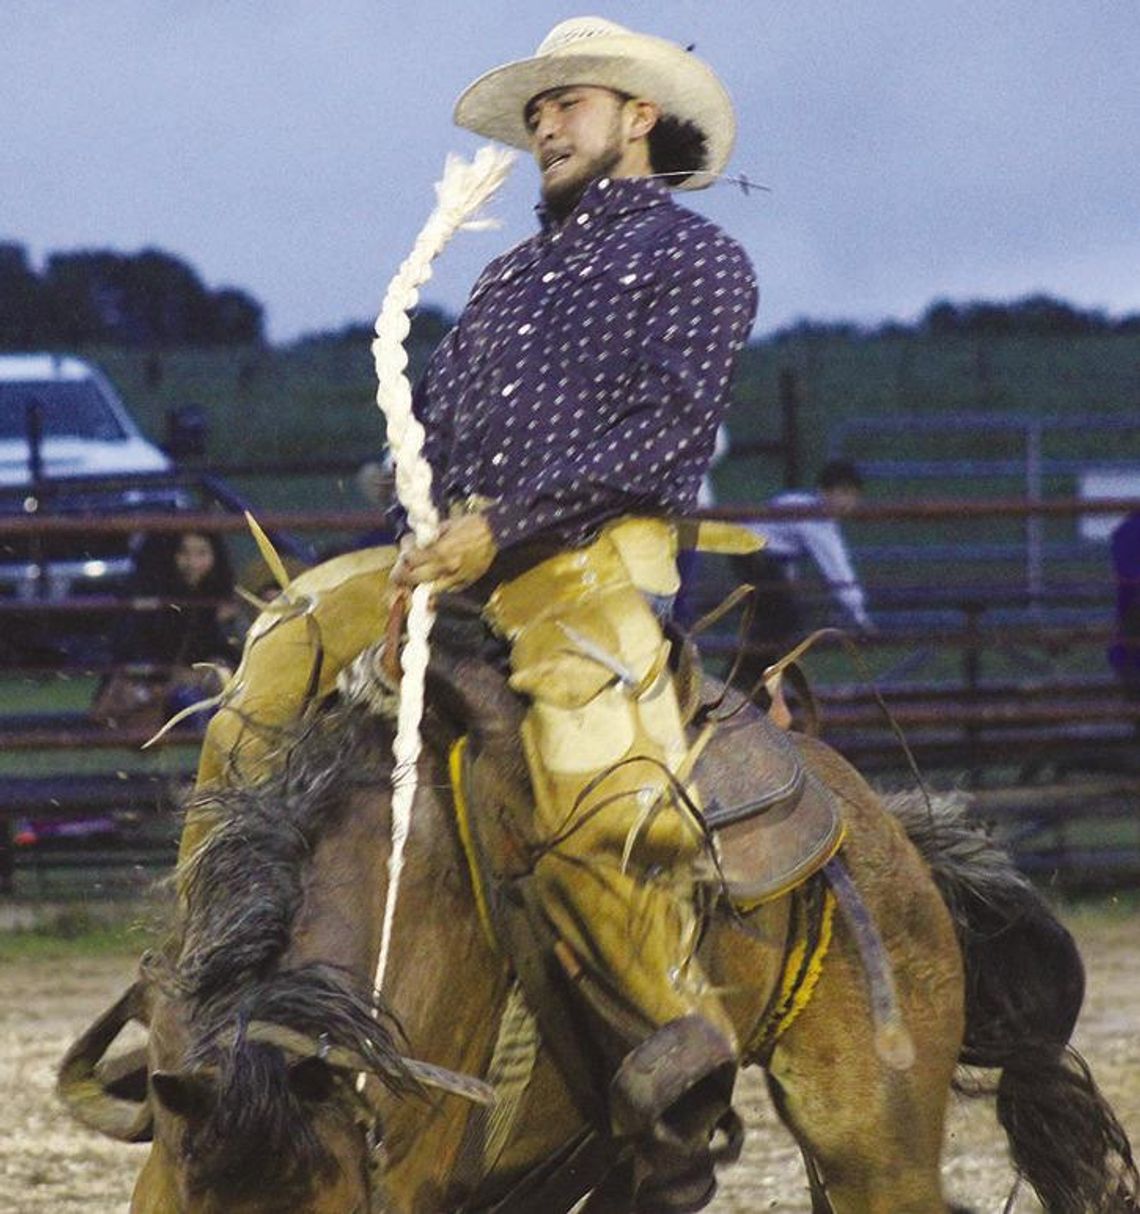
<point x="243" y="887"/>
<point x="240" y="895"/>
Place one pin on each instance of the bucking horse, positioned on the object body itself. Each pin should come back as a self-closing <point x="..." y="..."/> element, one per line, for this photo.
<point x="874" y="955"/>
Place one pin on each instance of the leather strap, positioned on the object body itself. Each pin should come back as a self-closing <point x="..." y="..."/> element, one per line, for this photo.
<point x="531" y="945"/>
<point x="559" y="1183"/>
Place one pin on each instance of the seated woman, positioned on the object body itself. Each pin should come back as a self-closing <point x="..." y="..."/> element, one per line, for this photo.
<point x="179" y="644"/>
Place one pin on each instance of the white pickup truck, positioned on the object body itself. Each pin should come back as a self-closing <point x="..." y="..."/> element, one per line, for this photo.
<point x="69" y="447"/>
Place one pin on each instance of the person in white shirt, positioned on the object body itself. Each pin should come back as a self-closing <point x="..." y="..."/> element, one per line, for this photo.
<point x="780" y="620"/>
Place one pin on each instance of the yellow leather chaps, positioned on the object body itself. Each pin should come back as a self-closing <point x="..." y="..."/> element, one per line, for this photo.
<point x="602" y="736"/>
<point x="293" y="653"/>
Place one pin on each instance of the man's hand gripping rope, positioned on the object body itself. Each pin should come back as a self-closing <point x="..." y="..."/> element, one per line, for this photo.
<point x="460" y="554"/>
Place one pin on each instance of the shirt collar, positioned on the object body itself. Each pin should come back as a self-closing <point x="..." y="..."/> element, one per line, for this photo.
<point x="610" y="197"/>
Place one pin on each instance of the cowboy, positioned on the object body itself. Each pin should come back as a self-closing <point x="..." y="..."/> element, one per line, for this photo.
<point x="573" y="409"/>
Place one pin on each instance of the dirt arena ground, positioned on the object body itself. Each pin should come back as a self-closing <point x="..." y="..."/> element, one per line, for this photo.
<point x="47" y="1164"/>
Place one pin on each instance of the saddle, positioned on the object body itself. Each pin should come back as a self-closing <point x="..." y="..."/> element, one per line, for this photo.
<point x="771" y="826"/>
<point x="771" y="823"/>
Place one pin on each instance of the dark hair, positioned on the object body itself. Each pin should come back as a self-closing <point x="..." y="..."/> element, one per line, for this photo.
<point x="157" y="574"/>
<point x="677" y="147"/>
<point x="840" y="474"/>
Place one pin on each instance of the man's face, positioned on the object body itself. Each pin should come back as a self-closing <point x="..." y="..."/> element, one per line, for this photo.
<point x="841" y="500"/>
<point x="577" y="135"/>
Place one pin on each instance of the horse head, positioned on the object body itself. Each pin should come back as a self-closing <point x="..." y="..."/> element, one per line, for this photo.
<point x="274" y="1066"/>
<point x="264" y="1015"/>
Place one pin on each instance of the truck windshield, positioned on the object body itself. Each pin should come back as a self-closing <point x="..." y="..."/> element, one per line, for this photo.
<point x="67" y="410"/>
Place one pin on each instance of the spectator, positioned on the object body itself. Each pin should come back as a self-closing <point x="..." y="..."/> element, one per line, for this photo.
<point x="375" y="485"/>
<point x="185" y="615"/>
<point x="780" y="619"/>
<point x="1124" y="653"/>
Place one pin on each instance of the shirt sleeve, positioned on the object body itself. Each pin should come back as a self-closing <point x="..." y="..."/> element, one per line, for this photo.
<point x="652" y="455"/>
<point x="434" y="397"/>
<point x="823" y="540"/>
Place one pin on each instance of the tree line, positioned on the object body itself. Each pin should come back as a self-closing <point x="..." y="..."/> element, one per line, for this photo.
<point x="150" y="298"/>
<point x="1034" y="315"/>
<point x="154" y="299"/>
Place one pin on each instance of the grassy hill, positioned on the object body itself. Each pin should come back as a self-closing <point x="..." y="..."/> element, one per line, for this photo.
<point x="845" y="379"/>
<point x="317" y="398"/>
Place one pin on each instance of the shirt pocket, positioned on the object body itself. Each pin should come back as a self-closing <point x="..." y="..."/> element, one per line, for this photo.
<point x="497" y="294"/>
<point x="605" y="311"/>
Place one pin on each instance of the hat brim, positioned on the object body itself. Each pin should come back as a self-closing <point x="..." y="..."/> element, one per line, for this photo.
<point x="678" y="82"/>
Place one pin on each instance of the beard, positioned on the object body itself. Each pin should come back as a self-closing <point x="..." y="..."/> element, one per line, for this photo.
<point x="561" y="197"/>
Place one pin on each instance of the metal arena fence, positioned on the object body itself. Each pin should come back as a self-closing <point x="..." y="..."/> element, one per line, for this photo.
<point x="976" y="677"/>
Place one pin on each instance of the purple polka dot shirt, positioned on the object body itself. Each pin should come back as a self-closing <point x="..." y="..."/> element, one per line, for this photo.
<point x="590" y="369"/>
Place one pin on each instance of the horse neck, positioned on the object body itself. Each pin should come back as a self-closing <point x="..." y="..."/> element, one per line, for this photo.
<point x="449" y="987"/>
<point x="339" y="920"/>
<point x="442" y="980"/>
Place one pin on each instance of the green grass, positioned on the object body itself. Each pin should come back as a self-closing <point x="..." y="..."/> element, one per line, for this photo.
<point x="74" y="933"/>
<point x="61" y="691"/>
<point x="319" y="397"/>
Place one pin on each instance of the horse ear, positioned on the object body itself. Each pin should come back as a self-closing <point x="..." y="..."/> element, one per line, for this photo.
<point x="311" y="1079"/>
<point x="187" y="1094"/>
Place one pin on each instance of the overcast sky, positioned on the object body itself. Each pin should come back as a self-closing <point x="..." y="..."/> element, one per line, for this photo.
<point x="914" y="150"/>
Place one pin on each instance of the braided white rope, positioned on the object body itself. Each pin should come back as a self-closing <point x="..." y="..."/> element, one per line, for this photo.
<point x="464" y="189"/>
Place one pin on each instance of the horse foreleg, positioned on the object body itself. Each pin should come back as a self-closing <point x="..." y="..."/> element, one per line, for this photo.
<point x="155" y="1191"/>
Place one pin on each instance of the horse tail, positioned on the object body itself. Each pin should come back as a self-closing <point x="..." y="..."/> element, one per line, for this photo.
<point x="1025" y="983"/>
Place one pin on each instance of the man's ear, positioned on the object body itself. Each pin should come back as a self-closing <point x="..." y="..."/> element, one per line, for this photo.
<point x="643" y="117"/>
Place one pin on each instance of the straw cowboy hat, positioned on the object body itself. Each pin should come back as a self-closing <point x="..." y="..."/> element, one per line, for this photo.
<point x="591" y="50"/>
